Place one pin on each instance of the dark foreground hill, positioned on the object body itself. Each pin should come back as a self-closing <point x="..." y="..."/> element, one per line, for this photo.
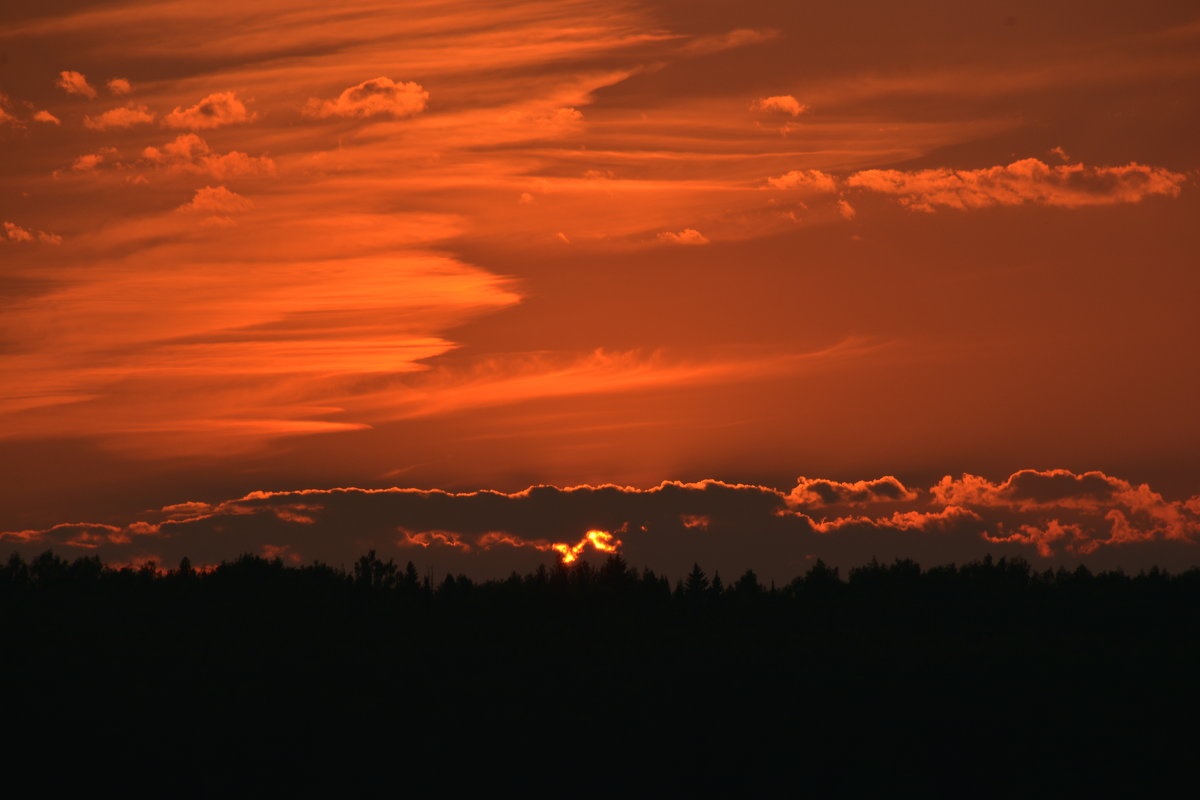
<point x="988" y="679"/>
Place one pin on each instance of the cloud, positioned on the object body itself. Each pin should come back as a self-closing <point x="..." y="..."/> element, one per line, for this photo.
<point x="812" y="180"/>
<point x="47" y="117"/>
<point x="371" y="98"/>
<point x="1131" y="512"/>
<point x="15" y="233"/>
<point x="810" y="493"/>
<point x="547" y="120"/>
<point x="88" y="162"/>
<point x="846" y="210"/>
<point x="727" y="526"/>
<point x="1027" y="181"/>
<point x="214" y="111"/>
<point x="217" y="199"/>
<point x="119" y="86"/>
<point x="783" y="103"/>
<point x="188" y="152"/>
<point x="123" y="117"/>
<point x="501" y="380"/>
<point x="75" y="83"/>
<point x="738" y="37"/>
<point x="685" y="236"/>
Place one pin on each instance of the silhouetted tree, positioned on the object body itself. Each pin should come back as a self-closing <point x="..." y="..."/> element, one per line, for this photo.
<point x="696" y="584"/>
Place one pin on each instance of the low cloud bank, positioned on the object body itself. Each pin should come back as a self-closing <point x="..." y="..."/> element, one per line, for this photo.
<point x="1050" y="517"/>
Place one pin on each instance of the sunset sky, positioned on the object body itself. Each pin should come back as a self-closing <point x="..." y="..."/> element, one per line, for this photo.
<point x="746" y="283"/>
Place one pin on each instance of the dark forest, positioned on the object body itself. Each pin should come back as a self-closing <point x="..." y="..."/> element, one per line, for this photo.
<point x="257" y="677"/>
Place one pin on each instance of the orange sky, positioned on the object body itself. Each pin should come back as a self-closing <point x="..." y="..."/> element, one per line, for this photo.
<point x="469" y="245"/>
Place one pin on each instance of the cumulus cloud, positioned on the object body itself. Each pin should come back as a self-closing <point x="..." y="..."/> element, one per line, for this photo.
<point x="218" y="200"/>
<point x="783" y="103"/>
<point x="47" y="117"/>
<point x="119" y="86"/>
<point x="685" y="236"/>
<point x="1129" y="512"/>
<point x="122" y="117"/>
<point x="75" y="83"/>
<point x="810" y="493"/>
<point x="812" y="180"/>
<point x="190" y="153"/>
<point x="219" y="108"/>
<point x="375" y="97"/>
<point x="15" y="233"/>
<point x="1050" y="517"/>
<point x="1027" y="181"/>
<point x="846" y="210"/>
<point x="88" y="162"/>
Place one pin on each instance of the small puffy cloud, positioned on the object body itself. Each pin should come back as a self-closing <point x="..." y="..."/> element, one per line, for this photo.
<point x="15" y="233"/>
<point x="685" y="236"/>
<point x="74" y="83"/>
<point x="6" y="116"/>
<point x="1027" y="181"/>
<point x="783" y="103"/>
<point x="525" y="198"/>
<point x="219" y="108"/>
<point x="846" y="210"/>
<point x="88" y="162"/>
<point x="119" y="86"/>
<point x="371" y="98"/>
<point x="189" y="153"/>
<point x="47" y="117"/>
<point x="187" y="147"/>
<point x="812" y="180"/>
<point x="123" y="117"/>
<point x="217" y="199"/>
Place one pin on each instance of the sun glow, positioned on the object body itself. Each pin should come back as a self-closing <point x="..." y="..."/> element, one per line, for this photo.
<point x="602" y="541"/>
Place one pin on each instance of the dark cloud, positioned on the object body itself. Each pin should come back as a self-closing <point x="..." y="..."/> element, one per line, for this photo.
<point x="818" y="492"/>
<point x="1050" y="517"/>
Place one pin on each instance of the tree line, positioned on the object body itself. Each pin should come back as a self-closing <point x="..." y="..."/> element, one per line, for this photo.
<point x="991" y="678"/>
